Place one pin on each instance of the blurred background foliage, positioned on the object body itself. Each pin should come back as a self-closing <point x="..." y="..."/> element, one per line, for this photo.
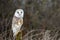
<point x="39" y="14"/>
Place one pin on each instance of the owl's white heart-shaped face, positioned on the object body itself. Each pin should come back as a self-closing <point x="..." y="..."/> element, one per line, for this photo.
<point x="19" y="13"/>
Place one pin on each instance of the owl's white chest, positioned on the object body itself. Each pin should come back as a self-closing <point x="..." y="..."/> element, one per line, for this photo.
<point x="16" y="25"/>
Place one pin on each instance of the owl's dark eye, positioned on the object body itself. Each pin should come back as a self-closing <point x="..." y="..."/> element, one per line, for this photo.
<point x="18" y="12"/>
<point x="21" y="12"/>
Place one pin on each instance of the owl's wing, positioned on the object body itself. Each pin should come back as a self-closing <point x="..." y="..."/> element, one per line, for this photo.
<point x="13" y="26"/>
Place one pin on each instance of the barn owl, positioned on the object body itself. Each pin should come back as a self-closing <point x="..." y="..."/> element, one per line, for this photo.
<point x="17" y="21"/>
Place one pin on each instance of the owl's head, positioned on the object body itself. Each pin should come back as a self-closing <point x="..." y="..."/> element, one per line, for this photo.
<point x="19" y="13"/>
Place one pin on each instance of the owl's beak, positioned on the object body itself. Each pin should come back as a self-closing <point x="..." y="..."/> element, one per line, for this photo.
<point x="19" y="14"/>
